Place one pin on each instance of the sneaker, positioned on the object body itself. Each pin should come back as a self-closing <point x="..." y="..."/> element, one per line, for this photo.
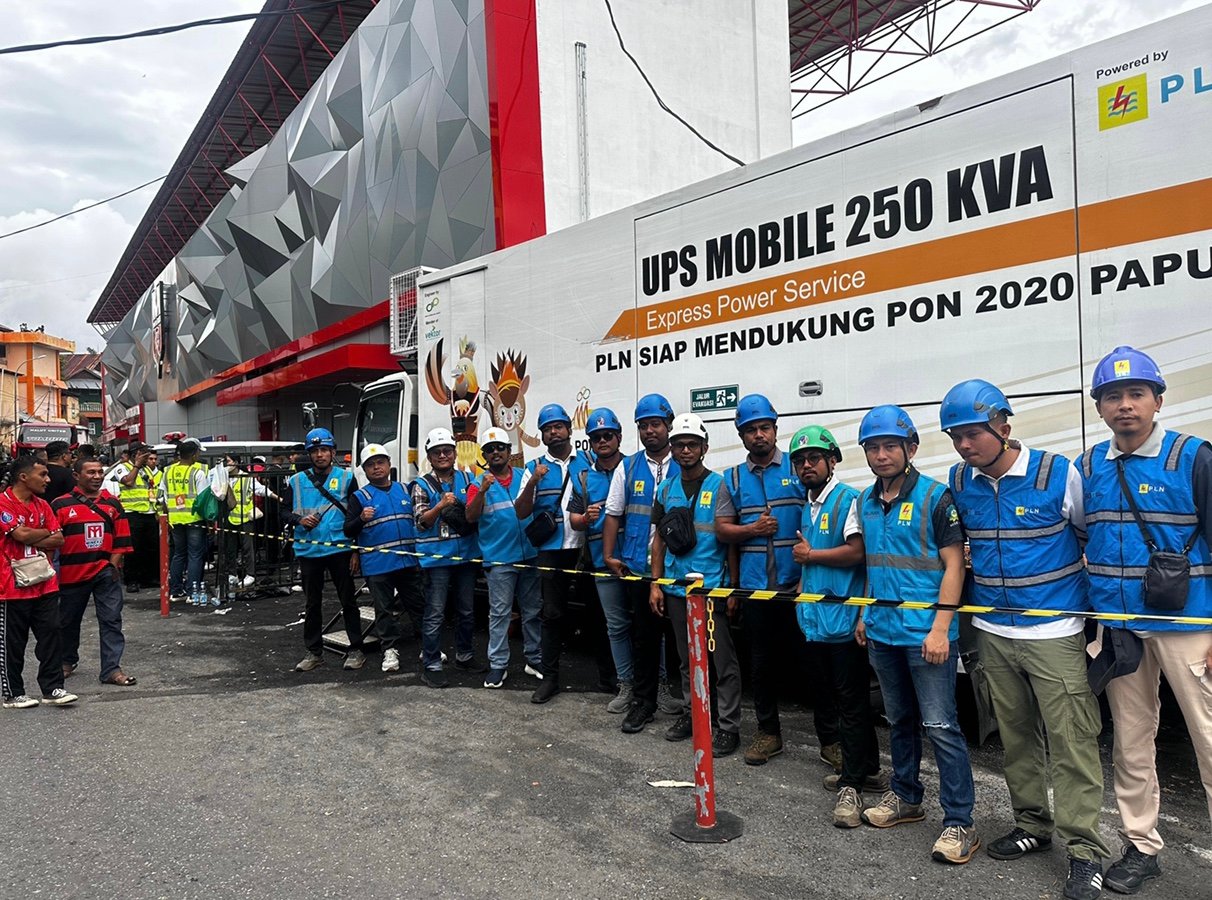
<point x="831" y="755"/>
<point x="248" y="581"/>
<point x="178" y="598"/>
<point x="391" y="660"/>
<point x="232" y="581"/>
<point x="495" y="678"/>
<point x="354" y="659"/>
<point x="724" y="743"/>
<point x="134" y="587"/>
<point x="762" y="748"/>
<point x="309" y="662"/>
<point x="21" y="701"/>
<point x="296" y="588"/>
<point x="622" y="700"/>
<point x="59" y="697"/>
<point x="1085" y="881"/>
<point x="892" y="810"/>
<point x="1132" y="871"/>
<point x="547" y="689"/>
<point x="848" y="811"/>
<point x="872" y="784"/>
<point x="637" y="717"/>
<point x="533" y="672"/>
<point x="667" y="703"/>
<point x="956" y="845"/>
<point x="681" y="729"/>
<point x="435" y="678"/>
<point x="1017" y="844"/>
<point x="470" y="665"/>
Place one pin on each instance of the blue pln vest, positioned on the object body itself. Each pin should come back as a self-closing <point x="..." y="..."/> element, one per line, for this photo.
<point x="1116" y="553"/>
<point x="766" y="563"/>
<point x="1025" y="552"/>
<point x="549" y="491"/>
<point x="502" y="535"/>
<point x="439" y="540"/>
<point x="308" y="500"/>
<point x="594" y="485"/>
<point x="903" y="562"/>
<point x="829" y="622"/>
<point x="392" y="528"/>
<point x="641" y="486"/>
<point x="709" y="556"/>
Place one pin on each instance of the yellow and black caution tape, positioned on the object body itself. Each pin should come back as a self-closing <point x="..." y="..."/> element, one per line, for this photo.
<point x="750" y="594"/>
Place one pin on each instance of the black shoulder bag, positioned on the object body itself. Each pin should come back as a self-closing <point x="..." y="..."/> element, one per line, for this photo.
<point x="544" y="523"/>
<point x="1168" y="574"/>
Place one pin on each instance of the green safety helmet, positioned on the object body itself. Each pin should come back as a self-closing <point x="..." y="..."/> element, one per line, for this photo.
<point x="814" y="437"/>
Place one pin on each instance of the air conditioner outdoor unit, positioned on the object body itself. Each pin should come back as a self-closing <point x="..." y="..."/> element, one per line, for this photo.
<point x="404" y="310"/>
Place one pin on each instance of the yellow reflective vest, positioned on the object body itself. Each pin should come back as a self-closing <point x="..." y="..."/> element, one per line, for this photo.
<point x="245" y="509"/>
<point x="179" y="489"/>
<point x="140" y="497"/>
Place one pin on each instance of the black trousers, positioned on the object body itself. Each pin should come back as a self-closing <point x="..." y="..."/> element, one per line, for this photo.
<point x="17" y="619"/>
<point x="312" y="570"/>
<point x="395" y="594"/>
<point x="648" y="632"/>
<point x="851" y="681"/>
<point x="142" y="564"/>
<point x="778" y="655"/>
<point x="558" y="589"/>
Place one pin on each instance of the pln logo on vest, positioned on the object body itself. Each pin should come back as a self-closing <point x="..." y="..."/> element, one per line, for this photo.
<point x="705" y="498"/>
<point x="637" y="487"/>
<point x="1150" y="489"/>
<point x="905" y="516"/>
<point x="824" y="522"/>
<point x="1026" y="510"/>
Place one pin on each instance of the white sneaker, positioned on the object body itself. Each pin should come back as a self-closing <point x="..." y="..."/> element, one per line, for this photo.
<point x="249" y="581"/>
<point x="391" y="660"/>
<point x="296" y="588"/>
<point x="533" y="672"/>
<point x="59" y="697"/>
<point x="21" y="701"/>
<point x="232" y="580"/>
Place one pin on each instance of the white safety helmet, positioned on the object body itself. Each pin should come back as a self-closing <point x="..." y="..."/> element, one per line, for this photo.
<point x="688" y="424"/>
<point x="439" y="437"/>
<point x="370" y="451"/>
<point x="495" y="436"/>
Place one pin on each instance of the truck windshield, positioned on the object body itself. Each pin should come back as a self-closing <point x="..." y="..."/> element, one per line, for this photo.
<point x="379" y="418"/>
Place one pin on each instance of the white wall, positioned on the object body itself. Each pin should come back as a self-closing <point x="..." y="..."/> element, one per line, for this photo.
<point x="721" y="64"/>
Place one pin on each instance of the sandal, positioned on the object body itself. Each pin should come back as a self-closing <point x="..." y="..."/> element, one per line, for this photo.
<point x="121" y="679"/>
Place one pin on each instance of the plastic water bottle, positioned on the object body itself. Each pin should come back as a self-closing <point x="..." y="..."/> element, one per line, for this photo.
<point x="203" y="600"/>
<point x="195" y="597"/>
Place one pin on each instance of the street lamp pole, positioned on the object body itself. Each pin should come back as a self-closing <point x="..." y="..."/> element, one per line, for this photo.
<point x="17" y="389"/>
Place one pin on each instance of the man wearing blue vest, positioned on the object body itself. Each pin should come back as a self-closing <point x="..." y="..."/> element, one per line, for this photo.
<point x="544" y="497"/>
<point x="1021" y="510"/>
<point x="1146" y="490"/>
<point x="586" y="513"/>
<point x="769" y="499"/>
<point x="830" y="553"/>
<point x="914" y="547"/>
<point x="317" y="499"/>
<point x="446" y="542"/>
<point x="626" y="541"/>
<point x="702" y="493"/>
<point x="379" y="519"/>
<point x="508" y="558"/>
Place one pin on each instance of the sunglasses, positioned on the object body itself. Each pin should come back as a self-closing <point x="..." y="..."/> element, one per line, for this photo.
<point x="599" y="437"/>
<point x="496" y="448"/>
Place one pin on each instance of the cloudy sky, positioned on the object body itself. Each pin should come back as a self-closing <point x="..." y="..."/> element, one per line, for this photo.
<point x="82" y="123"/>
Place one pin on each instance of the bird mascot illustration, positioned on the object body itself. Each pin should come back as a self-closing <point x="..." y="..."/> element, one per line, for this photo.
<point x="461" y="396"/>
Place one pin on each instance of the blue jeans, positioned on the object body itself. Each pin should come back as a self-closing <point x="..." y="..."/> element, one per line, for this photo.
<point x="919" y="695"/>
<point x="105" y="588"/>
<point x="442" y="580"/>
<point x="189" y="541"/>
<point x="505" y="583"/>
<point x="617" y="608"/>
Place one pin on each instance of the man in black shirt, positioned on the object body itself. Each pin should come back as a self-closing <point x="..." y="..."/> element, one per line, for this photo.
<point x="58" y="466"/>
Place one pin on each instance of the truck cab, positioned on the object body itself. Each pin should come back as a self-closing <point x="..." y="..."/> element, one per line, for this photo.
<point x="387" y="415"/>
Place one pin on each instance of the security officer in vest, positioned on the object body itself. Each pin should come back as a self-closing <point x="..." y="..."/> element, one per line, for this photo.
<point x="586" y="513"/>
<point x="318" y="498"/>
<point x="241" y="527"/>
<point x="626" y="540"/>
<point x="545" y="491"/>
<point x="379" y="518"/>
<point x="1022" y="514"/>
<point x="914" y="547"/>
<point x="139" y="487"/>
<point x="704" y="494"/>
<point x="183" y="480"/>
<point x="769" y="499"/>
<point x="1166" y="477"/>
<point x="445" y="552"/>
<point x="830" y="553"/>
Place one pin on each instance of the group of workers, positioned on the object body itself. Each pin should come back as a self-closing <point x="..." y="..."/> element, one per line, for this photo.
<point x="1125" y="530"/>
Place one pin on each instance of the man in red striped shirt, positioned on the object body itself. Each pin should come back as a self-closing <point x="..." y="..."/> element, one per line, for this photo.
<point x="95" y="537"/>
<point x="28" y="528"/>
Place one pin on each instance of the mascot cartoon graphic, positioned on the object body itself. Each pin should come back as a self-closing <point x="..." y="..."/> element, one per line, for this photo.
<point x="461" y="396"/>
<point x="507" y="401"/>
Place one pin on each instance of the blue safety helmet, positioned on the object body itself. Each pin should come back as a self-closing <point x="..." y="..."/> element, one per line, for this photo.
<point x="754" y="408"/>
<point x="603" y="419"/>
<point x="972" y="402"/>
<point x="1126" y="364"/>
<point x="553" y="412"/>
<point x="653" y="406"/>
<point x="320" y="437"/>
<point x="887" y="421"/>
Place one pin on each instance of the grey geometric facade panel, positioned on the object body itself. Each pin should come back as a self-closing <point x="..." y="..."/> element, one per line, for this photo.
<point x="383" y="166"/>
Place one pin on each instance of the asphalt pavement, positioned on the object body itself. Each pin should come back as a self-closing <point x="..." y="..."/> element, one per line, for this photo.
<point x="225" y="774"/>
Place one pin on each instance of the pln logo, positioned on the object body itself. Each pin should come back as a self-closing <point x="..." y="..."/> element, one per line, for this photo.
<point x="1123" y="102"/>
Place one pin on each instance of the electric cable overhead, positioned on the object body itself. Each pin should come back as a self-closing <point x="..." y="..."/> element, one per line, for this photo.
<point x="172" y="29"/>
<point x="660" y="102"/>
<point x="81" y="209"/>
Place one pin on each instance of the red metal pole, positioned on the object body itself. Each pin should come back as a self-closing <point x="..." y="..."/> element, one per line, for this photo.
<point x="163" y="519"/>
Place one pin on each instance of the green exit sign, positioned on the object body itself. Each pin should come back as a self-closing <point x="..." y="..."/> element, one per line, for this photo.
<point x="710" y="399"/>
